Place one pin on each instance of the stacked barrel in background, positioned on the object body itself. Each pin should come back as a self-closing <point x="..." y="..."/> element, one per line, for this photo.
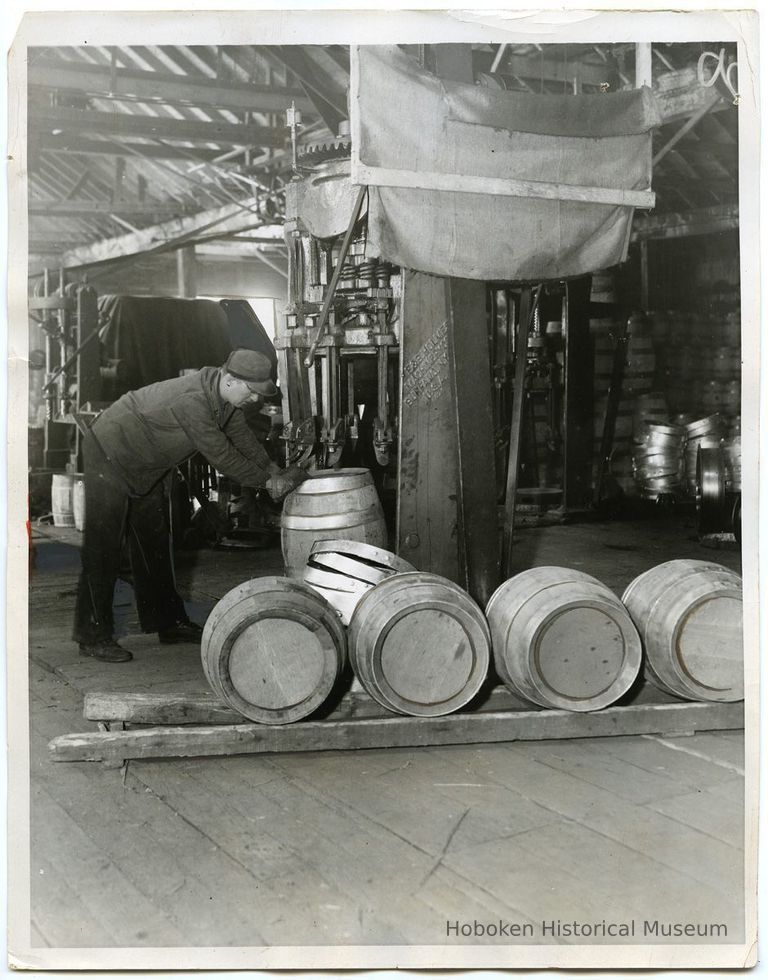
<point x="658" y="458"/>
<point x="682" y="369"/>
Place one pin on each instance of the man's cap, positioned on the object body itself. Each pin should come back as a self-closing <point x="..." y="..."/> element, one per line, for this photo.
<point x="253" y="368"/>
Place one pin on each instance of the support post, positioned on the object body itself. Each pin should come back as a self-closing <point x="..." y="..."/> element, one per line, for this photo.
<point x="516" y="428"/>
<point x="186" y="270"/>
<point x="579" y="372"/>
<point x="643" y="64"/>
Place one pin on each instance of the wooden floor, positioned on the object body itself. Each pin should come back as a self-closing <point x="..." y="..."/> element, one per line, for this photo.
<point x="368" y="847"/>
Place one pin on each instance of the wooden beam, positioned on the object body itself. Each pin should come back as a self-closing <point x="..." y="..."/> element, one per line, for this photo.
<point x="643" y="64"/>
<point x="166" y="87"/>
<point x="395" y="732"/>
<point x="430" y="180"/>
<point x="676" y="105"/>
<point x="157" y="127"/>
<point x="704" y="221"/>
<point x="72" y="144"/>
<point x="552" y="70"/>
<point x="89" y="208"/>
<point x="216" y="222"/>
<point x="686" y="127"/>
<point x="329" y="103"/>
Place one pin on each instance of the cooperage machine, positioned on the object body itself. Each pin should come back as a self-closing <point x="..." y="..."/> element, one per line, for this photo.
<point x="339" y="347"/>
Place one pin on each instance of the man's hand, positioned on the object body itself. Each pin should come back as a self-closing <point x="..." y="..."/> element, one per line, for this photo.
<point x="281" y="482"/>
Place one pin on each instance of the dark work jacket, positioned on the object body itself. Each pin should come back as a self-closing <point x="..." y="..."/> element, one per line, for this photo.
<point x="149" y="431"/>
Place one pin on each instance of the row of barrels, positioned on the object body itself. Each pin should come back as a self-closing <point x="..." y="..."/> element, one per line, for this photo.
<point x="275" y="649"/>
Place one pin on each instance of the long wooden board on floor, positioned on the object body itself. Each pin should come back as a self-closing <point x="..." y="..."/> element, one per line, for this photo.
<point x="204" y="708"/>
<point x="395" y="732"/>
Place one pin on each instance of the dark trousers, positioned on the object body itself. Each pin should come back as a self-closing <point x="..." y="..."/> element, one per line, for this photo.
<point x="112" y="513"/>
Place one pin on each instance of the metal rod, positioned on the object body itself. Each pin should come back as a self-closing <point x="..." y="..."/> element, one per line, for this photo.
<point x="336" y="276"/>
<point x="57" y="374"/>
<point x="527" y="314"/>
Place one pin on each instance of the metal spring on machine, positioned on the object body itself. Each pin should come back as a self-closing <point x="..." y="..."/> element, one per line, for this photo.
<point x="383" y="274"/>
<point x="366" y="272"/>
<point x="348" y="276"/>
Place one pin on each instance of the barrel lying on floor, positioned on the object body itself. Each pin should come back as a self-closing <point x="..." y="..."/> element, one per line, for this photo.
<point x="419" y="644"/>
<point x="272" y="649"/>
<point x="562" y="639"/>
<point x="689" y="614"/>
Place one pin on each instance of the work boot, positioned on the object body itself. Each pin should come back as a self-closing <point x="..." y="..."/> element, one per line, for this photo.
<point x="186" y="632"/>
<point x="107" y="650"/>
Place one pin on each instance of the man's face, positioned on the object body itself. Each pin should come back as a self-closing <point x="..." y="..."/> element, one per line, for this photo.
<point x="238" y="393"/>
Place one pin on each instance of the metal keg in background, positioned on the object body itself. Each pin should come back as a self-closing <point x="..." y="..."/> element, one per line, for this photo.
<point x="689" y="614"/>
<point x="732" y="454"/>
<point x="704" y="433"/>
<point x="657" y="457"/>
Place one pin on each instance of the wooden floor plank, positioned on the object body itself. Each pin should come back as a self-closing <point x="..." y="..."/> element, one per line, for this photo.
<point x="655" y="757"/>
<point x="319" y="913"/>
<point x="709" y="747"/>
<point x="112" y="902"/>
<point x="686" y="850"/>
<point x="364" y="861"/>
<point x="160" y="851"/>
<point x="60" y="915"/>
<point x="629" y="882"/>
<point x="589" y="761"/>
<point x="720" y="817"/>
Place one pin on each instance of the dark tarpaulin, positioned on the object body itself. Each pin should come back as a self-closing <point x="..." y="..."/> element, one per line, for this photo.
<point x="157" y="337"/>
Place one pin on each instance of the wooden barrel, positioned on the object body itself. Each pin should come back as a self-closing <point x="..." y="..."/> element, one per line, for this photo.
<point x="689" y="614"/>
<point x="272" y="650"/>
<point x="562" y="639"/>
<point x="419" y="644"/>
<point x="78" y="501"/>
<point x="62" y="491"/>
<point x="330" y="504"/>
<point x="341" y="571"/>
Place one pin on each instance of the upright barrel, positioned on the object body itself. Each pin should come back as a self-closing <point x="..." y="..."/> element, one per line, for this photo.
<point x="689" y="614"/>
<point x="562" y="639"/>
<point x="419" y="644"/>
<point x="330" y="504"/>
<point x="62" y="505"/>
<point x="272" y="649"/>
